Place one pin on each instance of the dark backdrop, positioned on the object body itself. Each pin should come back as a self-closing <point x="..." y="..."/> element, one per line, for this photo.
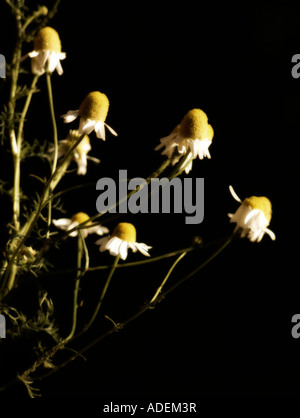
<point x="226" y="332"/>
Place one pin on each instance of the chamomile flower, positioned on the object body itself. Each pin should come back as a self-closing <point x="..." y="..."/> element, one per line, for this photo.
<point x="47" y="54"/>
<point x="80" y="153"/>
<point x="67" y="224"/>
<point x="92" y="112"/>
<point x="122" y="238"/>
<point x="193" y="135"/>
<point x="252" y="217"/>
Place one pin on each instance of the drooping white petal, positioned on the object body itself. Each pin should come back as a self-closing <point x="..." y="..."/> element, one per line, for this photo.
<point x="111" y="130"/>
<point x="52" y="61"/>
<point x="81" y="164"/>
<point x="59" y="68"/>
<point x="62" y="55"/>
<point x="33" y="54"/>
<point x="100" y="130"/>
<point x="98" y="229"/>
<point x="95" y="160"/>
<point x="143" y="248"/>
<point x="86" y="126"/>
<point x="114" y="246"/>
<point x="233" y="194"/>
<point x="38" y="62"/>
<point x="70" y="116"/>
<point x="102" y="242"/>
<point x="75" y="233"/>
<point x="252" y="214"/>
<point x="123" y="250"/>
<point x="188" y="167"/>
<point x="62" y="223"/>
<point x="270" y="233"/>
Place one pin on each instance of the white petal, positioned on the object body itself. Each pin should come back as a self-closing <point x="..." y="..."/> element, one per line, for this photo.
<point x="102" y="230"/>
<point x="251" y="214"/>
<point x="74" y="233"/>
<point x="233" y="194"/>
<point x="86" y="126"/>
<point x="62" y="223"/>
<point x="98" y="229"/>
<point x="70" y="116"/>
<point x="38" y="63"/>
<point x="111" y="129"/>
<point x="82" y="165"/>
<point x="114" y="245"/>
<point x="95" y="160"/>
<point x="33" y="54"/>
<point x="270" y="233"/>
<point x="62" y="55"/>
<point x="100" y="130"/>
<point x="189" y="167"/>
<point x="59" y="68"/>
<point x="143" y="248"/>
<point x="123" y="250"/>
<point x="102" y="241"/>
<point x="52" y="61"/>
<point x="159" y="146"/>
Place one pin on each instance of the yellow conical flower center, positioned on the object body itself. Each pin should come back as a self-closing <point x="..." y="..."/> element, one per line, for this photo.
<point x="262" y="203"/>
<point x="47" y="39"/>
<point x="125" y="231"/>
<point x="210" y="132"/>
<point x="80" y="217"/>
<point x="94" y="106"/>
<point x="194" y="125"/>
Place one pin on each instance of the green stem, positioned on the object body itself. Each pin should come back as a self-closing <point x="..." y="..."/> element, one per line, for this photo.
<point x="130" y="264"/>
<point x="104" y="290"/>
<point x="159" y="289"/>
<point x="140" y="312"/>
<point x="116" y="326"/>
<point x="15" y="69"/>
<point x="28" y="227"/>
<point x="202" y="265"/>
<point x="17" y="156"/>
<point x="55" y="141"/>
<point x="146" y="260"/>
<point x="80" y="241"/>
<point x="181" y="166"/>
<point x="17" y="176"/>
<point x="53" y="120"/>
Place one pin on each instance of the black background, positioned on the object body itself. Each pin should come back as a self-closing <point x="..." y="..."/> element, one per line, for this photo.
<point x="226" y="332"/>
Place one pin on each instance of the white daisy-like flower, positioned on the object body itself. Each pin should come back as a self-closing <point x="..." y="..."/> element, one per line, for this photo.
<point x="92" y="112"/>
<point x="252" y="217"/>
<point x="80" y="153"/>
<point x="67" y="224"/>
<point x="47" y="54"/>
<point x="122" y="238"/>
<point x="193" y="135"/>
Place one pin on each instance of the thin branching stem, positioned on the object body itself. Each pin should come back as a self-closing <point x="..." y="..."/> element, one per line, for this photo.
<point x="147" y="306"/>
<point x="160" y="287"/>
<point x="80" y="252"/>
<point x="103" y="293"/>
